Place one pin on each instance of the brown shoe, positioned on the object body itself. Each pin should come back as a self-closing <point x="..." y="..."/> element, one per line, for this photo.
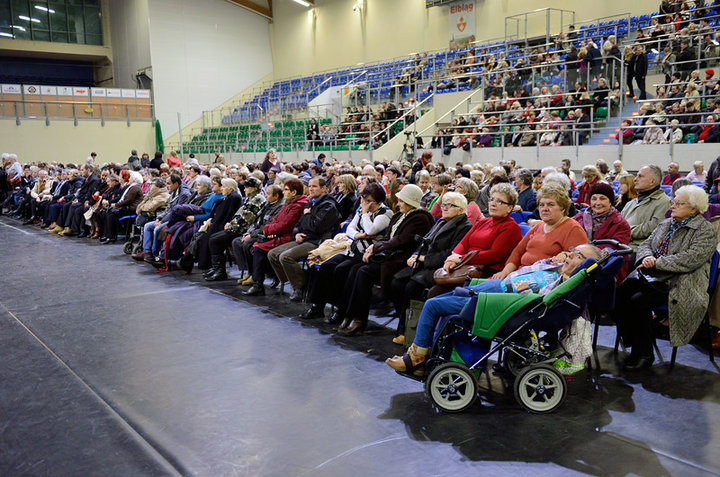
<point x="55" y="229"/>
<point x="356" y="327"/>
<point x="716" y="340"/>
<point x="140" y="256"/>
<point x="400" y="339"/>
<point x="411" y="362"/>
<point x="248" y="281"/>
<point x="65" y="231"/>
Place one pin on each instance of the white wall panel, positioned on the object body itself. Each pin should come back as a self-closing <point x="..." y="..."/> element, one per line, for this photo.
<point x="203" y="52"/>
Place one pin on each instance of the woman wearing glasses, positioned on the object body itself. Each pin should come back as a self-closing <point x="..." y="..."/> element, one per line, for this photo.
<point x="554" y="233"/>
<point x="494" y="237"/>
<point x="411" y="282"/>
<point x="680" y="249"/>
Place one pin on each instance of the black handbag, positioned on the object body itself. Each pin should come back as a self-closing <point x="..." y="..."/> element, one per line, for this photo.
<point x="658" y="280"/>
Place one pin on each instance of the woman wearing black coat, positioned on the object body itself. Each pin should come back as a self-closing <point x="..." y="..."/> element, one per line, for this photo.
<point x="346" y="196"/>
<point x="223" y="212"/>
<point x="411" y="282"/>
<point x="384" y="258"/>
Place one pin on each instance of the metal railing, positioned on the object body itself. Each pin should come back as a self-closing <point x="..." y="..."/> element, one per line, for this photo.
<point x="76" y="111"/>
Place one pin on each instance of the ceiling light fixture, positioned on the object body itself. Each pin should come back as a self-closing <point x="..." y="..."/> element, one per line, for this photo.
<point x="304" y="3"/>
<point x="28" y="19"/>
<point x="44" y="9"/>
<point x="18" y="27"/>
<point x="9" y="35"/>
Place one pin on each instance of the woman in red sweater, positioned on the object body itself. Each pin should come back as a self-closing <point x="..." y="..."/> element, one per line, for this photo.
<point x="495" y="236"/>
<point x="554" y="234"/>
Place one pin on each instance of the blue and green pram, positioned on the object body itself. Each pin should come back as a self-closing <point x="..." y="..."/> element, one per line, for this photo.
<point x="509" y="325"/>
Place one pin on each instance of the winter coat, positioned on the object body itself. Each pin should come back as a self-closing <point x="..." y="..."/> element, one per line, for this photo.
<point x="264" y="217"/>
<point x="283" y="223"/>
<point x="712" y="174"/>
<point x="133" y="197"/>
<point x="246" y="214"/>
<point x="446" y="236"/>
<point x="224" y="211"/>
<point x="153" y="200"/>
<point x="614" y="227"/>
<point x="644" y="216"/>
<point x="322" y="221"/>
<point x="416" y="222"/>
<point x="689" y="253"/>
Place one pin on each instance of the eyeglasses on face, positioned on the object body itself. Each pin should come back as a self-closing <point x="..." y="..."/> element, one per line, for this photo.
<point x="495" y="200"/>
<point x="448" y="206"/>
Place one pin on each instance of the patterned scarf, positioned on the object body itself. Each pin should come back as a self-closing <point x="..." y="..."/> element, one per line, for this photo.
<point x="662" y="249"/>
<point x="592" y="221"/>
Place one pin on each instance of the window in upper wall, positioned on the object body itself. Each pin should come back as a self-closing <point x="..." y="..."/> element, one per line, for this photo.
<point x="63" y="21"/>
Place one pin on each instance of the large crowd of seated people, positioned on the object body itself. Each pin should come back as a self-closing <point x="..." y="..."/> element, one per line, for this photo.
<point x="378" y="233"/>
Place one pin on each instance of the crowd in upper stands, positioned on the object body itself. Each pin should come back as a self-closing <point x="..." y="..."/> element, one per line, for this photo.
<point x="333" y="229"/>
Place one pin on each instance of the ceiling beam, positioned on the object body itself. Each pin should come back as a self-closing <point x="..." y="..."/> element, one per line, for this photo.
<point x="254" y="7"/>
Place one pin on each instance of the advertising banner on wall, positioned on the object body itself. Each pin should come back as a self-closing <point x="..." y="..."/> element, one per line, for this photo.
<point x="11" y="89"/>
<point x="31" y="89"/>
<point x="462" y="19"/>
<point x="65" y="90"/>
<point x="113" y="92"/>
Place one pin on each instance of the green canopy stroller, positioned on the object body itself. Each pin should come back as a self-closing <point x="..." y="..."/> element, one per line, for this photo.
<point x="509" y="325"/>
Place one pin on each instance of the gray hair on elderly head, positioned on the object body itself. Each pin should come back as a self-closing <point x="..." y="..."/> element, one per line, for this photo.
<point x="469" y="187"/>
<point x="696" y="196"/>
<point x="229" y="184"/>
<point x="655" y="172"/>
<point x="557" y="178"/>
<point x="507" y="190"/>
<point x="457" y="199"/>
<point x="204" y="181"/>
<point x="525" y="176"/>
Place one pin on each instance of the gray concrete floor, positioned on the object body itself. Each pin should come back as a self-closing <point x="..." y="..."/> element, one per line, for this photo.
<point x="109" y="368"/>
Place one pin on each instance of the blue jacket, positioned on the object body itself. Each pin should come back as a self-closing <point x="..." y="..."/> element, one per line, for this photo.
<point x="208" y="206"/>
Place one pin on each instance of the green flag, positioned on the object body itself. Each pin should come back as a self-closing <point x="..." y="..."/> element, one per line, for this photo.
<point x="159" y="144"/>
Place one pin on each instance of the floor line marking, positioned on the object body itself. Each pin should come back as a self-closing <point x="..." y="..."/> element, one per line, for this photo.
<point x="15" y="228"/>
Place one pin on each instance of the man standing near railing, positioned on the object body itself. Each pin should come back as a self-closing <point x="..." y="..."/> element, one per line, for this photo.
<point x="685" y="59"/>
<point x="640" y="70"/>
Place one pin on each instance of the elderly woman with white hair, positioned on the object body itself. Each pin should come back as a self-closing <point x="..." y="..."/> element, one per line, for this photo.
<point x="221" y="215"/>
<point x="411" y="282"/>
<point x="673" y="266"/>
<point x="129" y="200"/>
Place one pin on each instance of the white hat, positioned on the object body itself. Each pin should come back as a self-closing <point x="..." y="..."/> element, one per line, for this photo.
<point x="411" y="195"/>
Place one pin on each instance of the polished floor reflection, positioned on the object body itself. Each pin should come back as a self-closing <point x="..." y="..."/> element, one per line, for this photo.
<point x="109" y="368"/>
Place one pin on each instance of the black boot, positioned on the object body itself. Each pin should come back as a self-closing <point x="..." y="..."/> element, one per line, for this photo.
<point x="256" y="290"/>
<point x="186" y="263"/>
<point x="218" y="264"/>
<point x="210" y="271"/>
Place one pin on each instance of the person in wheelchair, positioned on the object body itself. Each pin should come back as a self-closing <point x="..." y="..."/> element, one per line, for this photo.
<point x="540" y="277"/>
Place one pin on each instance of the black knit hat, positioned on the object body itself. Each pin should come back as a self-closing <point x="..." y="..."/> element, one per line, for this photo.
<point x="605" y="189"/>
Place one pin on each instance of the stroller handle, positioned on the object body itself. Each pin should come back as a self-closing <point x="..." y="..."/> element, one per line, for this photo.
<point x="619" y="248"/>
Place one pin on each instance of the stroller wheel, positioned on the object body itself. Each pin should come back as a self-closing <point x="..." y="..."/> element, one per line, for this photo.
<point x="452" y="387"/>
<point x="540" y="388"/>
<point x="137" y="248"/>
<point x="128" y="248"/>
